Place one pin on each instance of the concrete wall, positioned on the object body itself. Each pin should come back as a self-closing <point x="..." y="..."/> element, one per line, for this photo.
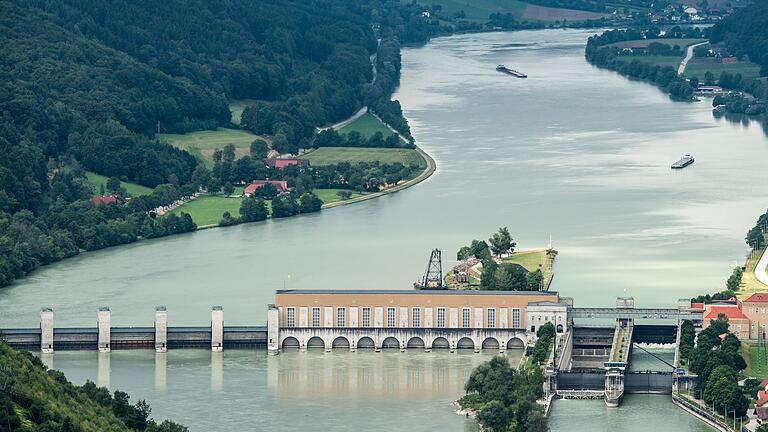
<point x="402" y="338"/>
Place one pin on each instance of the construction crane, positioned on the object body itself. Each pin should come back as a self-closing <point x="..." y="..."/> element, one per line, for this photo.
<point x="433" y="277"/>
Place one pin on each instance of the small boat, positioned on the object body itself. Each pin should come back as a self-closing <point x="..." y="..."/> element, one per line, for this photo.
<point x="683" y="162"/>
<point x="514" y="73"/>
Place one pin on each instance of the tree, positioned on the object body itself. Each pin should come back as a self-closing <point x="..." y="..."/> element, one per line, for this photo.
<point x="228" y="155"/>
<point x="494" y="416"/>
<point x="501" y="242"/>
<point x="344" y="195"/>
<point x="253" y="209"/>
<point x="267" y="191"/>
<point x="534" y="280"/>
<point x="227" y="219"/>
<point x="201" y="177"/>
<point x="283" y="206"/>
<point x="309" y="203"/>
<point x="259" y="149"/>
<point x="735" y="279"/>
<point x="113" y="185"/>
<point x="228" y="189"/>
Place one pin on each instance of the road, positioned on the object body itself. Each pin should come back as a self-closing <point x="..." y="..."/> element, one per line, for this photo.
<point x="760" y="272"/>
<point x="688" y="57"/>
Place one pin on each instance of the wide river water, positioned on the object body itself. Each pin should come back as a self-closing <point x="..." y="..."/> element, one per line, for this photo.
<point x="573" y="152"/>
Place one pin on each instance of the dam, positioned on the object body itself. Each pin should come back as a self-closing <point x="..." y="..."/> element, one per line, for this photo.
<point x="588" y="361"/>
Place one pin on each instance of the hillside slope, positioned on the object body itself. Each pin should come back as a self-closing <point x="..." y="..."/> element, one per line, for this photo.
<point x="35" y="399"/>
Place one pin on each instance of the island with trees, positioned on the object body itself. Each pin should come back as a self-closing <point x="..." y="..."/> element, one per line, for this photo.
<point x="496" y="265"/>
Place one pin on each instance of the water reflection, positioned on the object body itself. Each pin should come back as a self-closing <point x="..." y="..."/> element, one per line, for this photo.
<point x="412" y="374"/>
<point x="104" y="369"/>
<point x="161" y="364"/>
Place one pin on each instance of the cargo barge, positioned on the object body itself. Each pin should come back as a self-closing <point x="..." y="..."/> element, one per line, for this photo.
<point x="514" y="73"/>
<point x="683" y="162"/>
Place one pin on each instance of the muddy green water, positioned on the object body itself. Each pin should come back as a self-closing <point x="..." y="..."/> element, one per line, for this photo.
<point x="572" y="152"/>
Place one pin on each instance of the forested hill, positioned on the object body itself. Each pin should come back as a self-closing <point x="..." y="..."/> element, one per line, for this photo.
<point x="35" y="399"/>
<point x="85" y="85"/>
<point x="746" y="33"/>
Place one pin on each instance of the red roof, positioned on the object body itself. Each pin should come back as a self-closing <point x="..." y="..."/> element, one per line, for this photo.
<point x="697" y="306"/>
<point x="98" y="200"/>
<point x="281" y="163"/>
<point x="280" y="185"/>
<point x="760" y="297"/>
<point x="730" y="312"/>
<point x="762" y="398"/>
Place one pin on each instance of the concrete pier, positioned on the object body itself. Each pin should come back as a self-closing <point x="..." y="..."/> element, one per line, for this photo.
<point x="217" y="328"/>
<point x="161" y="329"/>
<point x="46" y="330"/>
<point x="273" y="333"/>
<point x="105" y="329"/>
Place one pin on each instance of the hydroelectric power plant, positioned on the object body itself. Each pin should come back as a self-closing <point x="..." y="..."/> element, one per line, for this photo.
<point x="588" y="360"/>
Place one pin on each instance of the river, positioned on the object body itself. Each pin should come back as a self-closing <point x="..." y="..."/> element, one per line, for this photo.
<point x="572" y="152"/>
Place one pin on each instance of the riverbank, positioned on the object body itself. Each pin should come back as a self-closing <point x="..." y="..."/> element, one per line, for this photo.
<point x="430" y="169"/>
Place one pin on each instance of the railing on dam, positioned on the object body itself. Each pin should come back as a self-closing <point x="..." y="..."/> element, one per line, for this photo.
<point x="637" y="314"/>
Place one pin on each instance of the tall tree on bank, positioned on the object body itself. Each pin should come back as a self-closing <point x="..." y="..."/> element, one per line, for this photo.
<point x="501" y="242"/>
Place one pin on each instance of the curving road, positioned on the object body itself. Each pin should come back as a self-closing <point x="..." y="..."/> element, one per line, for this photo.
<point x="688" y="57"/>
<point x="760" y="269"/>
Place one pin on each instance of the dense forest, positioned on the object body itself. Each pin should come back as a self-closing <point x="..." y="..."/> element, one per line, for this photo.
<point x="745" y="34"/>
<point x="33" y="398"/>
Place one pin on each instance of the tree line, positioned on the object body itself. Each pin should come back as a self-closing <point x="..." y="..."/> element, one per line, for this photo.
<point x="718" y="363"/>
<point x="331" y="138"/>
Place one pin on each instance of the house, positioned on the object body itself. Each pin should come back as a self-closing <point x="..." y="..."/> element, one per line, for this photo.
<point x="710" y="89"/>
<point x="280" y="185"/>
<point x="738" y="322"/>
<point x="756" y="308"/>
<point x="281" y="163"/>
<point x="99" y="200"/>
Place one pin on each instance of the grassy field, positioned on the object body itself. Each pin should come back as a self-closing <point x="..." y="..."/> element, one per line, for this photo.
<point x="749" y="283"/>
<point x="207" y="209"/>
<point x="236" y="107"/>
<point x="133" y="189"/>
<point x="203" y="143"/>
<point x="673" y="61"/>
<point x="749" y="352"/>
<point x="643" y="43"/>
<point x="367" y="125"/>
<point x="329" y="195"/>
<point x="333" y="155"/>
<point x="699" y="67"/>
<point x="479" y="10"/>
<point x="531" y="260"/>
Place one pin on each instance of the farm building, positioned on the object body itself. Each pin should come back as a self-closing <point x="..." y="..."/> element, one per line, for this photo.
<point x="280" y="185"/>
<point x="99" y="200"/>
<point x="281" y="163"/>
